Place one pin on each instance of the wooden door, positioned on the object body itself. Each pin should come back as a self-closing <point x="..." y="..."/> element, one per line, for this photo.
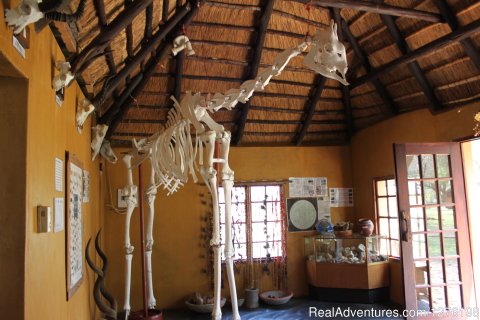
<point x="437" y="265"/>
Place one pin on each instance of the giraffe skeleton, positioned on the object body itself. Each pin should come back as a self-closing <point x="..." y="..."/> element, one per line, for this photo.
<point x="179" y="152"/>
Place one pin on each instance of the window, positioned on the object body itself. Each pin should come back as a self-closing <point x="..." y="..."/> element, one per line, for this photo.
<point x="387" y="215"/>
<point x="258" y="229"/>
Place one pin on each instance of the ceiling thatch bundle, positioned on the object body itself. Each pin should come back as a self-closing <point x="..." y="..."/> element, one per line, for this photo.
<point x="402" y="55"/>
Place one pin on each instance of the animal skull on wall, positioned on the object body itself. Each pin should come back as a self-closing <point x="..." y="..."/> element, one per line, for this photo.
<point x="65" y="76"/>
<point x="98" y="134"/>
<point x="328" y="55"/>
<point x="25" y="13"/>
<point x="86" y="108"/>
<point x="107" y="152"/>
<point x="30" y="11"/>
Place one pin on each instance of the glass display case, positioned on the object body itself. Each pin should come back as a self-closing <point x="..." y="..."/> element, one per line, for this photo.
<point x="335" y="265"/>
<point x="355" y="249"/>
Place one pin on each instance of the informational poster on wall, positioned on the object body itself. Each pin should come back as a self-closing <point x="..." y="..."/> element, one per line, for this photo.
<point x="323" y="204"/>
<point x="86" y="186"/>
<point x="58" y="174"/>
<point x="59" y="220"/>
<point x="307" y="187"/>
<point x="341" y="197"/>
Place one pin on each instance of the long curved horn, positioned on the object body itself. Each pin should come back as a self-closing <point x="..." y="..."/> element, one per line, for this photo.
<point x="110" y="313"/>
<point x="64" y="17"/>
<point x="111" y="300"/>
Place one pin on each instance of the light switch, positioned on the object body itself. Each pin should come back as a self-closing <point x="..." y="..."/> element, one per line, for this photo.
<point x="44" y="219"/>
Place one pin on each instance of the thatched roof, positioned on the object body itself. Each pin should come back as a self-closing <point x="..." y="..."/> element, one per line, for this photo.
<point x="402" y="55"/>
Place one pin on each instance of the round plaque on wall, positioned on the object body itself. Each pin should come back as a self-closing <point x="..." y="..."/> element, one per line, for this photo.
<point x="302" y="214"/>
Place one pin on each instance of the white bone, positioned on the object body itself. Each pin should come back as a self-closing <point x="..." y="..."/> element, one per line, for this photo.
<point x="107" y="152"/>
<point x="86" y="108"/>
<point x="180" y="43"/>
<point x="25" y="13"/>
<point x="64" y="78"/>
<point x="328" y="56"/>
<point x="98" y="134"/>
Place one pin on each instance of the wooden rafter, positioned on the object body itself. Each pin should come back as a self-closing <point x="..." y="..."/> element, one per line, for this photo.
<point x="467" y="44"/>
<point x="294" y="122"/>
<point x="129" y="38"/>
<point x="455" y="36"/>
<point x="376" y="8"/>
<point x="179" y="63"/>
<point x="413" y="66"/>
<point x="255" y="63"/>
<point x="121" y="109"/>
<point x="348" y="110"/>
<point x="165" y="6"/>
<point x="310" y="106"/>
<point x="148" y="23"/>
<point x="388" y="108"/>
<point x="236" y="80"/>
<point x="102" y="18"/>
<point x="347" y="104"/>
<point x="144" y="53"/>
<point x="97" y="46"/>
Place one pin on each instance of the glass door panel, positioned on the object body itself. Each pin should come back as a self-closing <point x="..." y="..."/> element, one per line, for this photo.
<point x="431" y="203"/>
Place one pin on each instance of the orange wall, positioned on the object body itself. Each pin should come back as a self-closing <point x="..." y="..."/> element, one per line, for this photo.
<point x="372" y="153"/>
<point x="50" y="131"/>
<point x="176" y="252"/>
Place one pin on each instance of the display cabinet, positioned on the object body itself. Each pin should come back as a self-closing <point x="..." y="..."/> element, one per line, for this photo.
<point x="354" y="249"/>
<point x="354" y="262"/>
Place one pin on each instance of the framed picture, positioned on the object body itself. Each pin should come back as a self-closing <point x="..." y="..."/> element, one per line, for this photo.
<point x="74" y="223"/>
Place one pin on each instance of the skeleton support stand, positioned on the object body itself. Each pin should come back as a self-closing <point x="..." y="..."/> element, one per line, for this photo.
<point x="209" y="174"/>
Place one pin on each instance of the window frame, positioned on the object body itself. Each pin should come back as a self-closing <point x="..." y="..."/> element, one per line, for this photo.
<point x="249" y="223"/>
<point x="387" y="196"/>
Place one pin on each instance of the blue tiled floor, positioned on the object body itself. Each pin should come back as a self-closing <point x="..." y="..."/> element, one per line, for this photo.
<point x="296" y="309"/>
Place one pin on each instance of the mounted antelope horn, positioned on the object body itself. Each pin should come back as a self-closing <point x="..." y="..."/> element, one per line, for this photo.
<point x="99" y="290"/>
<point x="64" y="17"/>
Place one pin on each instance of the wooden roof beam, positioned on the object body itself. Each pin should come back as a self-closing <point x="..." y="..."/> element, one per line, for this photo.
<point x="413" y="66"/>
<point x="362" y="5"/>
<point x="179" y="62"/>
<point x="147" y="34"/>
<point x="467" y="44"/>
<point x="389" y="108"/>
<point x="165" y="7"/>
<point x="136" y="60"/>
<point x="255" y="63"/>
<point x="347" y="104"/>
<point x="457" y="35"/>
<point x="310" y="106"/>
<point x="102" y="18"/>
<point x="119" y="110"/>
<point x="294" y="122"/>
<point x="348" y="110"/>
<point x="108" y="34"/>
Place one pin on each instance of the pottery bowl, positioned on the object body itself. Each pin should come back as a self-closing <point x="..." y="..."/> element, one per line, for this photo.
<point x="203" y="308"/>
<point x="276" y="297"/>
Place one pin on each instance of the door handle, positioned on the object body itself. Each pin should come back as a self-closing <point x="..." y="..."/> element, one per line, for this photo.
<point x="404" y="226"/>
